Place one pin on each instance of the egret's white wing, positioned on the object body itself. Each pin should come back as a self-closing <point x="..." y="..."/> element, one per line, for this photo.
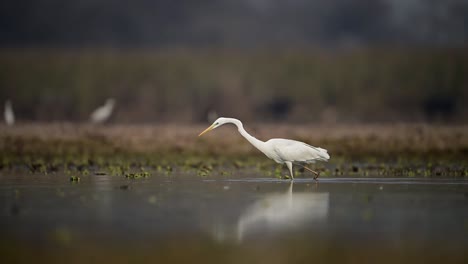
<point x="296" y="151"/>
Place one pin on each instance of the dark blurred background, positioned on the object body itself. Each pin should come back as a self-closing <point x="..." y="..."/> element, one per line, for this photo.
<point x="267" y="60"/>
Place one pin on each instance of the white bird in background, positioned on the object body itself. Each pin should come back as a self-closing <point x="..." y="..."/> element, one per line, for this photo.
<point x="283" y="151"/>
<point x="102" y="113"/>
<point x="8" y="114"/>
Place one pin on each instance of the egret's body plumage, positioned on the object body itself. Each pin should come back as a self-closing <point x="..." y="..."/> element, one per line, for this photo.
<point x="103" y="113"/>
<point x="295" y="151"/>
<point x="283" y="151"/>
<point x="8" y="114"/>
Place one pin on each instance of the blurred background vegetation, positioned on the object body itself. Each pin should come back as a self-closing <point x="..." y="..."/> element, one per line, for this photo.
<point x="289" y="61"/>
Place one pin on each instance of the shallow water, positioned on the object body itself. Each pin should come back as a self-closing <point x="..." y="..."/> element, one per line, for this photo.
<point x="184" y="218"/>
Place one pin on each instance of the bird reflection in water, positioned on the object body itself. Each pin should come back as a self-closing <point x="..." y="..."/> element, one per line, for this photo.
<point x="280" y="212"/>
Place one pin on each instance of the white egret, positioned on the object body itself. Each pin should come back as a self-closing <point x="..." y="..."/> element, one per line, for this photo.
<point x="102" y="113"/>
<point x="8" y="114"/>
<point x="283" y="151"/>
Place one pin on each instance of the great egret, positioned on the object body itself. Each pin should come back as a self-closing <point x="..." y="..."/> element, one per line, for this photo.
<point x="8" y="114"/>
<point x="102" y="113"/>
<point x="283" y="151"/>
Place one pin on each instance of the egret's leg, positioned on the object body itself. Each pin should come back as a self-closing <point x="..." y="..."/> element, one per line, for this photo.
<point x="314" y="172"/>
<point x="289" y="164"/>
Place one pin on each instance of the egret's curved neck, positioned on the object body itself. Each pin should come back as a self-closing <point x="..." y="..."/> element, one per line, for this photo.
<point x="255" y="142"/>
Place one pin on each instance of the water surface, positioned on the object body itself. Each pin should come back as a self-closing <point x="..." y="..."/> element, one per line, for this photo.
<point x="234" y="219"/>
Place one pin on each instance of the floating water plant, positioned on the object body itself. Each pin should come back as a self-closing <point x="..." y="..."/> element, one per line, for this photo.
<point x="75" y="179"/>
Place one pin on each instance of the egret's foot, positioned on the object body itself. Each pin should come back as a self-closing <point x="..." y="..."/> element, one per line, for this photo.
<point x="317" y="174"/>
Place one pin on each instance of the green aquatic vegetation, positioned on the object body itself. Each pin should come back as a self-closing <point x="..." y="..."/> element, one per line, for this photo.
<point x="205" y="170"/>
<point x="224" y="173"/>
<point x="75" y="179"/>
<point x="164" y="168"/>
<point x="264" y="167"/>
<point x="238" y="164"/>
<point x="326" y="173"/>
<point x="132" y="175"/>
<point x="278" y="172"/>
<point x="38" y="168"/>
<point x="339" y="171"/>
<point x="137" y="175"/>
<point x="186" y="168"/>
<point x="83" y="160"/>
<point x="142" y="173"/>
<point x="99" y="161"/>
<point x="125" y="167"/>
<point x="115" y="170"/>
<point x="203" y="173"/>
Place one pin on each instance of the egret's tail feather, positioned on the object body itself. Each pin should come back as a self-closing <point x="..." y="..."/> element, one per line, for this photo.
<point x="323" y="154"/>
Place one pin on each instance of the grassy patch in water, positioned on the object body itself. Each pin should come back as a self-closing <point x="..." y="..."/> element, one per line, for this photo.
<point x="46" y="149"/>
<point x="144" y="165"/>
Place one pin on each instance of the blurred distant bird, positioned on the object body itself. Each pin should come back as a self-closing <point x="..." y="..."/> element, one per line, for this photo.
<point x="8" y="114"/>
<point x="102" y="113"/>
<point x="283" y="151"/>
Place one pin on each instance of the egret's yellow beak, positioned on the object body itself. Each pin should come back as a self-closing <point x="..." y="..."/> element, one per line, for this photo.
<point x="206" y="130"/>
